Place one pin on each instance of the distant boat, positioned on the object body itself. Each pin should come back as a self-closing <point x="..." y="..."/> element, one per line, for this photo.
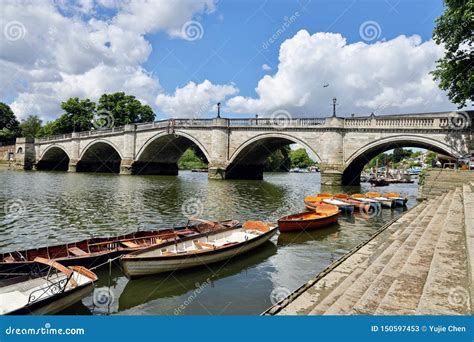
<point x="322" y="216"/>
<point x="197" y="250"/>
<point x="399" y="181"/>
<point x="45" y="293"/>
<point x="200" y="170"/>
<point x="378" y="182"/>
<point x="95" y="251"/>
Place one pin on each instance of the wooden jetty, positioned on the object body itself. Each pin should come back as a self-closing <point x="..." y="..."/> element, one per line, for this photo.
<point x="420" y="264"/>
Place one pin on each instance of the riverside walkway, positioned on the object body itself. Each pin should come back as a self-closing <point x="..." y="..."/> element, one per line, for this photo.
<point x="420" y="264"/>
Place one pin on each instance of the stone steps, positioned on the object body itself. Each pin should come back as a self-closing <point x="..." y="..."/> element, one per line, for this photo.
<point x="378" y="289"/>
<point x="438" y="181"/>
<point x="423" y="264"/>
<point x="446" y="290"/>
<point x="468" y="199"/>
<point x="404" y="293"/>
<point x="357" y="262"/>
<point x="344" y="301"/>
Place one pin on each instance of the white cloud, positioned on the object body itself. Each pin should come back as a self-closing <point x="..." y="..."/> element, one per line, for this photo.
<point x="164" y="15"/>
<point x="391" y="76"/>
<point x="194" y="100"/>
<point x="67" y="49"/>
<point x="266" y="67"/>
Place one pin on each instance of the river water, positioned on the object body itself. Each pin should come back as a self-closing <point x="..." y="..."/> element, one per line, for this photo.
<point x="41" y="208"/>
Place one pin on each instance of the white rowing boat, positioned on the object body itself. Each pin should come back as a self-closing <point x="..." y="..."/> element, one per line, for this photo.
<point x="48" y="293"/>
<point x="197" y="250"/>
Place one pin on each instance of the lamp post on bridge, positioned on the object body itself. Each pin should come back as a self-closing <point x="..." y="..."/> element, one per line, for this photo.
<point x="218" y="110"/>
<point x="334" y="103"/>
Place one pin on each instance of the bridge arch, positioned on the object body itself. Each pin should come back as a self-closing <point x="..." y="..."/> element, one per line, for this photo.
<point x="248" y="159"/>
<point x="54" y="157"/>
<point x="160" y="153"/>
<point x="355" y="163"/>
<point x="100" y="156"/>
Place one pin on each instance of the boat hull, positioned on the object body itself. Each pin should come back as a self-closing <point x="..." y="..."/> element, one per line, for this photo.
<point x="53" y="305"/>
<point x="90" y="260"/>
<point x="345" y="208"/>
<point x="297" y="226"/>
<point x="143" y="266"/>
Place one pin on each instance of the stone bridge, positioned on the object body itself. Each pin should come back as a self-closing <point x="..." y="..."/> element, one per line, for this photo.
<point x="237" y="148"/>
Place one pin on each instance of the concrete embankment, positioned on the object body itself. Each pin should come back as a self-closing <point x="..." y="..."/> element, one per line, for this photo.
<point x="420" y="264"/>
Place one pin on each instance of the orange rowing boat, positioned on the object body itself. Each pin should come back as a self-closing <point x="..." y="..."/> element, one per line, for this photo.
<point x="322" y="216"/>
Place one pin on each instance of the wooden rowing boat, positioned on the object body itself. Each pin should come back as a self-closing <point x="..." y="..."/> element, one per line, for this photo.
<point x="362" y="206"/>
<point x="95" y="251"/>
<point x="47" y="293"/>
<point x="322" y="216"/>
<point x="312" y="201"/>
<point x="397" y="198"/>
<point x="199" y="250"/>
<point x="386" y="202"/>
<point x="374" y="203"/>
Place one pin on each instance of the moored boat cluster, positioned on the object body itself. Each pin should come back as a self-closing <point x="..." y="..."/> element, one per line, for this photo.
<point x="47" y="280"/>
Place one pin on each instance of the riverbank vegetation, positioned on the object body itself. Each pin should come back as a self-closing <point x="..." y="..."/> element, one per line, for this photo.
<point x="281" y="160"/>
<point x="111" y="110"/>
<point x="402" y="158"/>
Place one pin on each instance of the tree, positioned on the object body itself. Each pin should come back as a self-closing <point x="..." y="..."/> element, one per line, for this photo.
<point x="455" y="70"/>
<point x="78" y="115"/>
<point x="299" y="158"/>
<point x="31" y="126"/>
<point x="431" y="157"/>
<point x="189" y="160"/>
<point x="124" y="109"/>
<point x="400" y="154"/>
<point x="9" y="125"/>
<point x="278" y="161"/>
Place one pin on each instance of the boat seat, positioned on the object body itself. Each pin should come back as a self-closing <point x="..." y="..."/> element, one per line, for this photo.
<point x="9" y="259"/>
<point x="12" y="301"/>
<point x="167" y="253"/>
<point x="130" y="244"/>
<point x="77" y="251"/>
<point x="201" y="245"/>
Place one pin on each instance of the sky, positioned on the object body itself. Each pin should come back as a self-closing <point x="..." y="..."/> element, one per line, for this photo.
<point x="255" y="57"/>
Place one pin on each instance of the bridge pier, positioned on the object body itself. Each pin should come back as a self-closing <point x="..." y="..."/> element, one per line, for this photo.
<point x="25" y="155"/>
<point x="153" y="168"/>
<point x="126" y="166"/>
<point x="253" y="172"/>
<point x="72" y="167"/>
<point x="331" y="174"/>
